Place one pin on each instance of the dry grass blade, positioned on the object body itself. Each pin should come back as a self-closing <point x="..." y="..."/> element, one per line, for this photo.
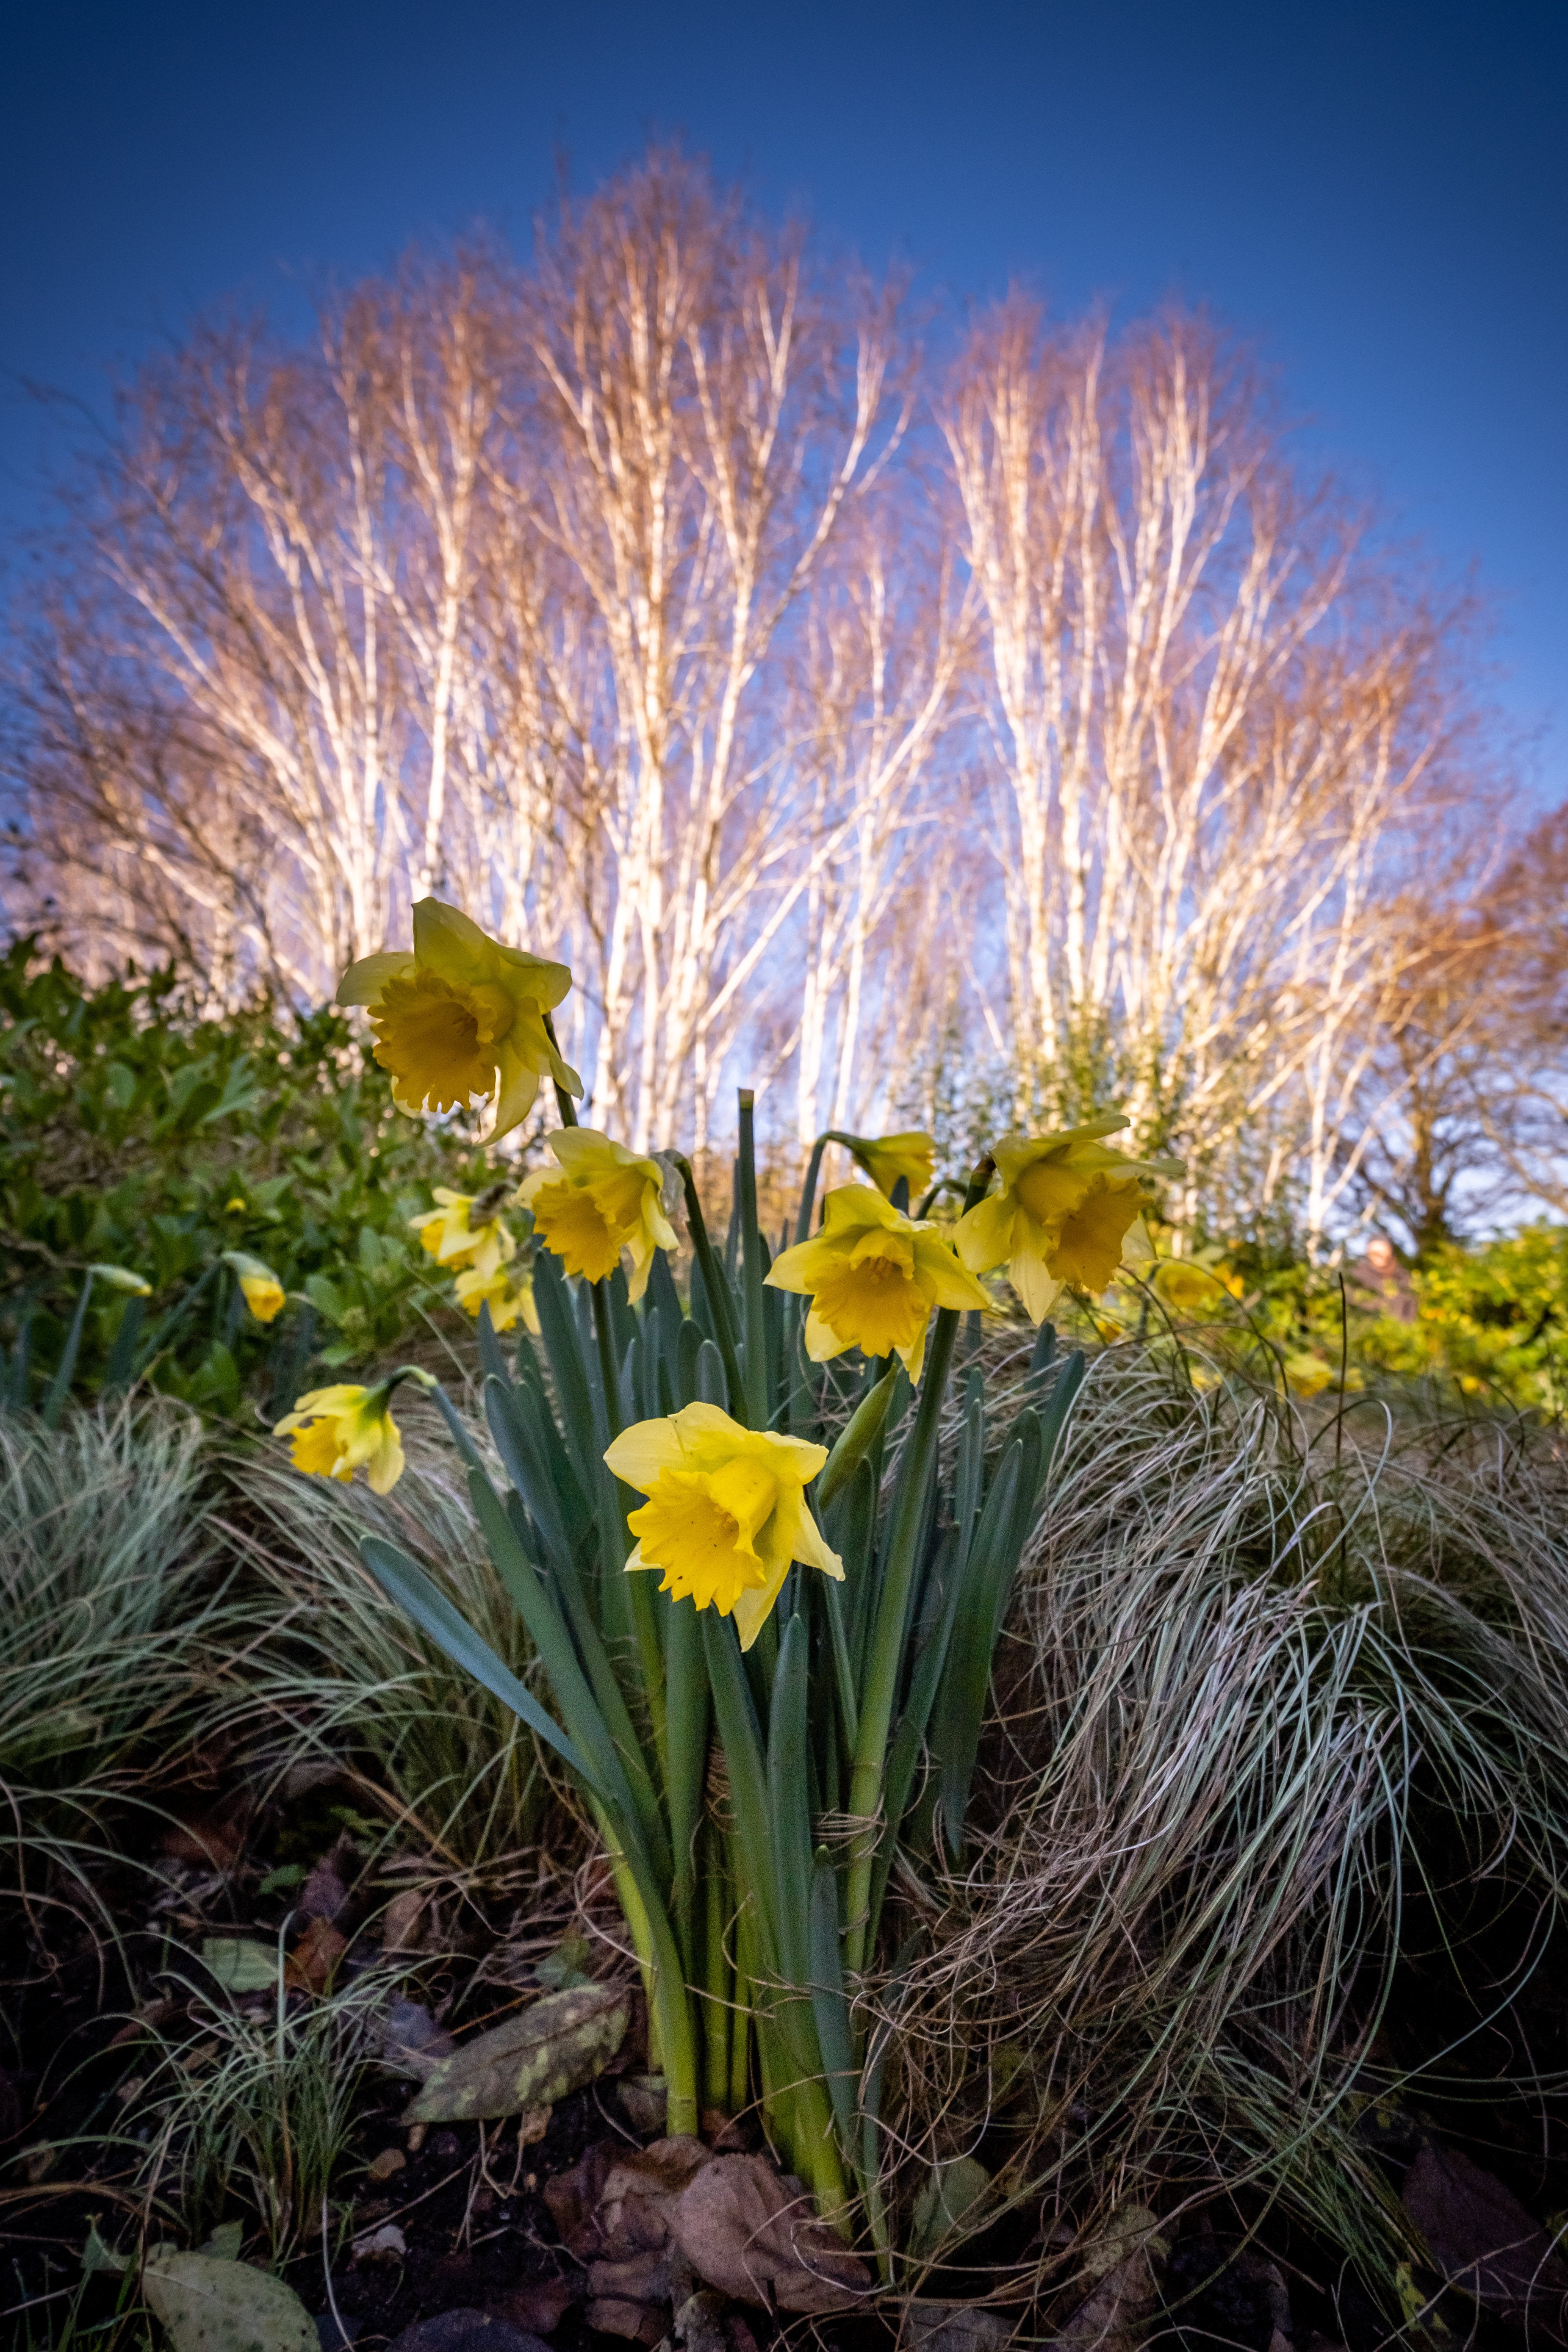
<point x="1251" y="1703"/>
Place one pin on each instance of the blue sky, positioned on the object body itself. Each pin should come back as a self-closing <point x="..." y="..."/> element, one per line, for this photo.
<point x="1377" y="193"/>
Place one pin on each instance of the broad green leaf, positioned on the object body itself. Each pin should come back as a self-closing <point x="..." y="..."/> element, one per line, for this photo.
<point x="208" y="2305"/>
<point x="553" y="2049"/>
<point x="240" y="1965"/>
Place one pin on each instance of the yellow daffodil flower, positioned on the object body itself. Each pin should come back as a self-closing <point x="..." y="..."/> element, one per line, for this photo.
<point x="1308" y="1374"/>
<point x="1186" y="1287"/>
<point x="605" y="1201"/>
<point x="886" y="1157"/>
<point x="725" y="1513"/>
<point x="234" y="1207"/>
<point x="120" y="1277"/>
<point x="464" y="1230"/>
<point x="337" y="1430"/>
<point x="460" y="1019"/>
<point x="262" y="1291"/>
<point x="1068" y="1210"/>
<point x="507" y="1291"/>
<point x="873" y="1276"/>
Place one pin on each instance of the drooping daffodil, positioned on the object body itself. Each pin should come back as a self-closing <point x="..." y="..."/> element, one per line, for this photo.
<point x="1068" y="1209"/>
<point x="261" y="1290"/>
<point x="120" y="1277"/>
<point x="465" y="1230"/>
<point x="873" y="1276"/>
<point x="338" y="1431"/>
<point x="886" y="1157"/>
<point x="506" y="1290"/>
<point x="604" y="1200"/>
<point x="459" y="1019"/>
<point x="726" y="1510"/>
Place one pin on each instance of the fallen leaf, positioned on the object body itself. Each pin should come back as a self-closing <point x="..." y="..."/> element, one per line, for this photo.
<point x="402" y="1927"/>
<point x="211" y="2306"/>
<point x="539" y="2303"/>
<point x="315" y="1957"/>
<point x="214" y="1838"/>
<point x="387" y="2245"/>
<point x="634" y="2323"/>
<point x="951" y="2196"/>
<point x="1484" y="2241"/>
<point x="239" y="1965"/>
<point x="224" y="2243"/>
<point x="644" y="2278"/>
<point x="646" y="2098"/>
<point x="744" y="2233"/>
<point x="1119" y="2312"/>
<point x="466" y="2331"/>
<point x="382" y="2167"/>
<point x="554" y="2048"/>
<point x="323" y="1894"/>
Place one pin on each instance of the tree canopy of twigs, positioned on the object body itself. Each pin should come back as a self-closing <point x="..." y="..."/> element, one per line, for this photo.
<point x="1013" y="725"/>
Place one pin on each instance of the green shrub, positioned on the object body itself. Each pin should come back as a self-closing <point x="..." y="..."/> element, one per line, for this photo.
<point x="137" y="1131"/>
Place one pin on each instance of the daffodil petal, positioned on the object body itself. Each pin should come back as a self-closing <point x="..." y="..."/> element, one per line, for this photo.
<point x="364" y="982"/>
<point x="984" y="1236"/>
<point x="1037" y="1287"/>
<point x="821" y="1342"/>
<point x="638" y="1455"/>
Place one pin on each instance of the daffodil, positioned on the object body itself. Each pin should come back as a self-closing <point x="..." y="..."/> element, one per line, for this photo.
<point x="1184" y="1285"/>
<point x="873" y="1276"/>
<point x="120" y="1277"/>
<point x="460" y="1019"/>
<point x="507" y="1291"/>
<point x="886" y="1157"/>
<point x="1068" y="1209"/>
<point x="465" y="1230"/>
<point x="262" y="1291"/>
<point x="338" y="1430"/>
<point x="606" y="1200"/>
<point x="726" y="1510"/>
<point x="1308" y="1374"/>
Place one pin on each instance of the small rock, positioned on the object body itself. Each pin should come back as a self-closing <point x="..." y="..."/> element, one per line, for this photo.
<point x="466" y="2331"/>
<point x="646" y="2099"/>
<point x="337" y="2332"/>
<point x="1484" y="2241"/>
<point x="387" y="2245"/>
<point x="382" y="2167"/>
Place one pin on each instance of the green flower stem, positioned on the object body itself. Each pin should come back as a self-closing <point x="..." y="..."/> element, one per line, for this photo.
<point x="758" y="1384"/>
<point x="885" y="1663"/>
<point x="670" y="2027"/>
<point x="886" y="1651"/>
<point x="645" y="1623"/>
<point x="713" y="1283"/>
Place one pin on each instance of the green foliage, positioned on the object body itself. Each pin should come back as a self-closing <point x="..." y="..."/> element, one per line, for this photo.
<point x="136" y="1131"/>
<point x="1489" y="1321"/>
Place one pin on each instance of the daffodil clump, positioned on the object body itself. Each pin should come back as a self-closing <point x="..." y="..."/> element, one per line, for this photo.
<point x="467" y="1235"/>
<point x="726" y="1512"/>
<point x="604" y="1200"/>
<point x="459" y="1019"/>
<point x="714" y="1704"/>
<point x="873" y="1276"/>
<point x="1068" y="1209"/>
